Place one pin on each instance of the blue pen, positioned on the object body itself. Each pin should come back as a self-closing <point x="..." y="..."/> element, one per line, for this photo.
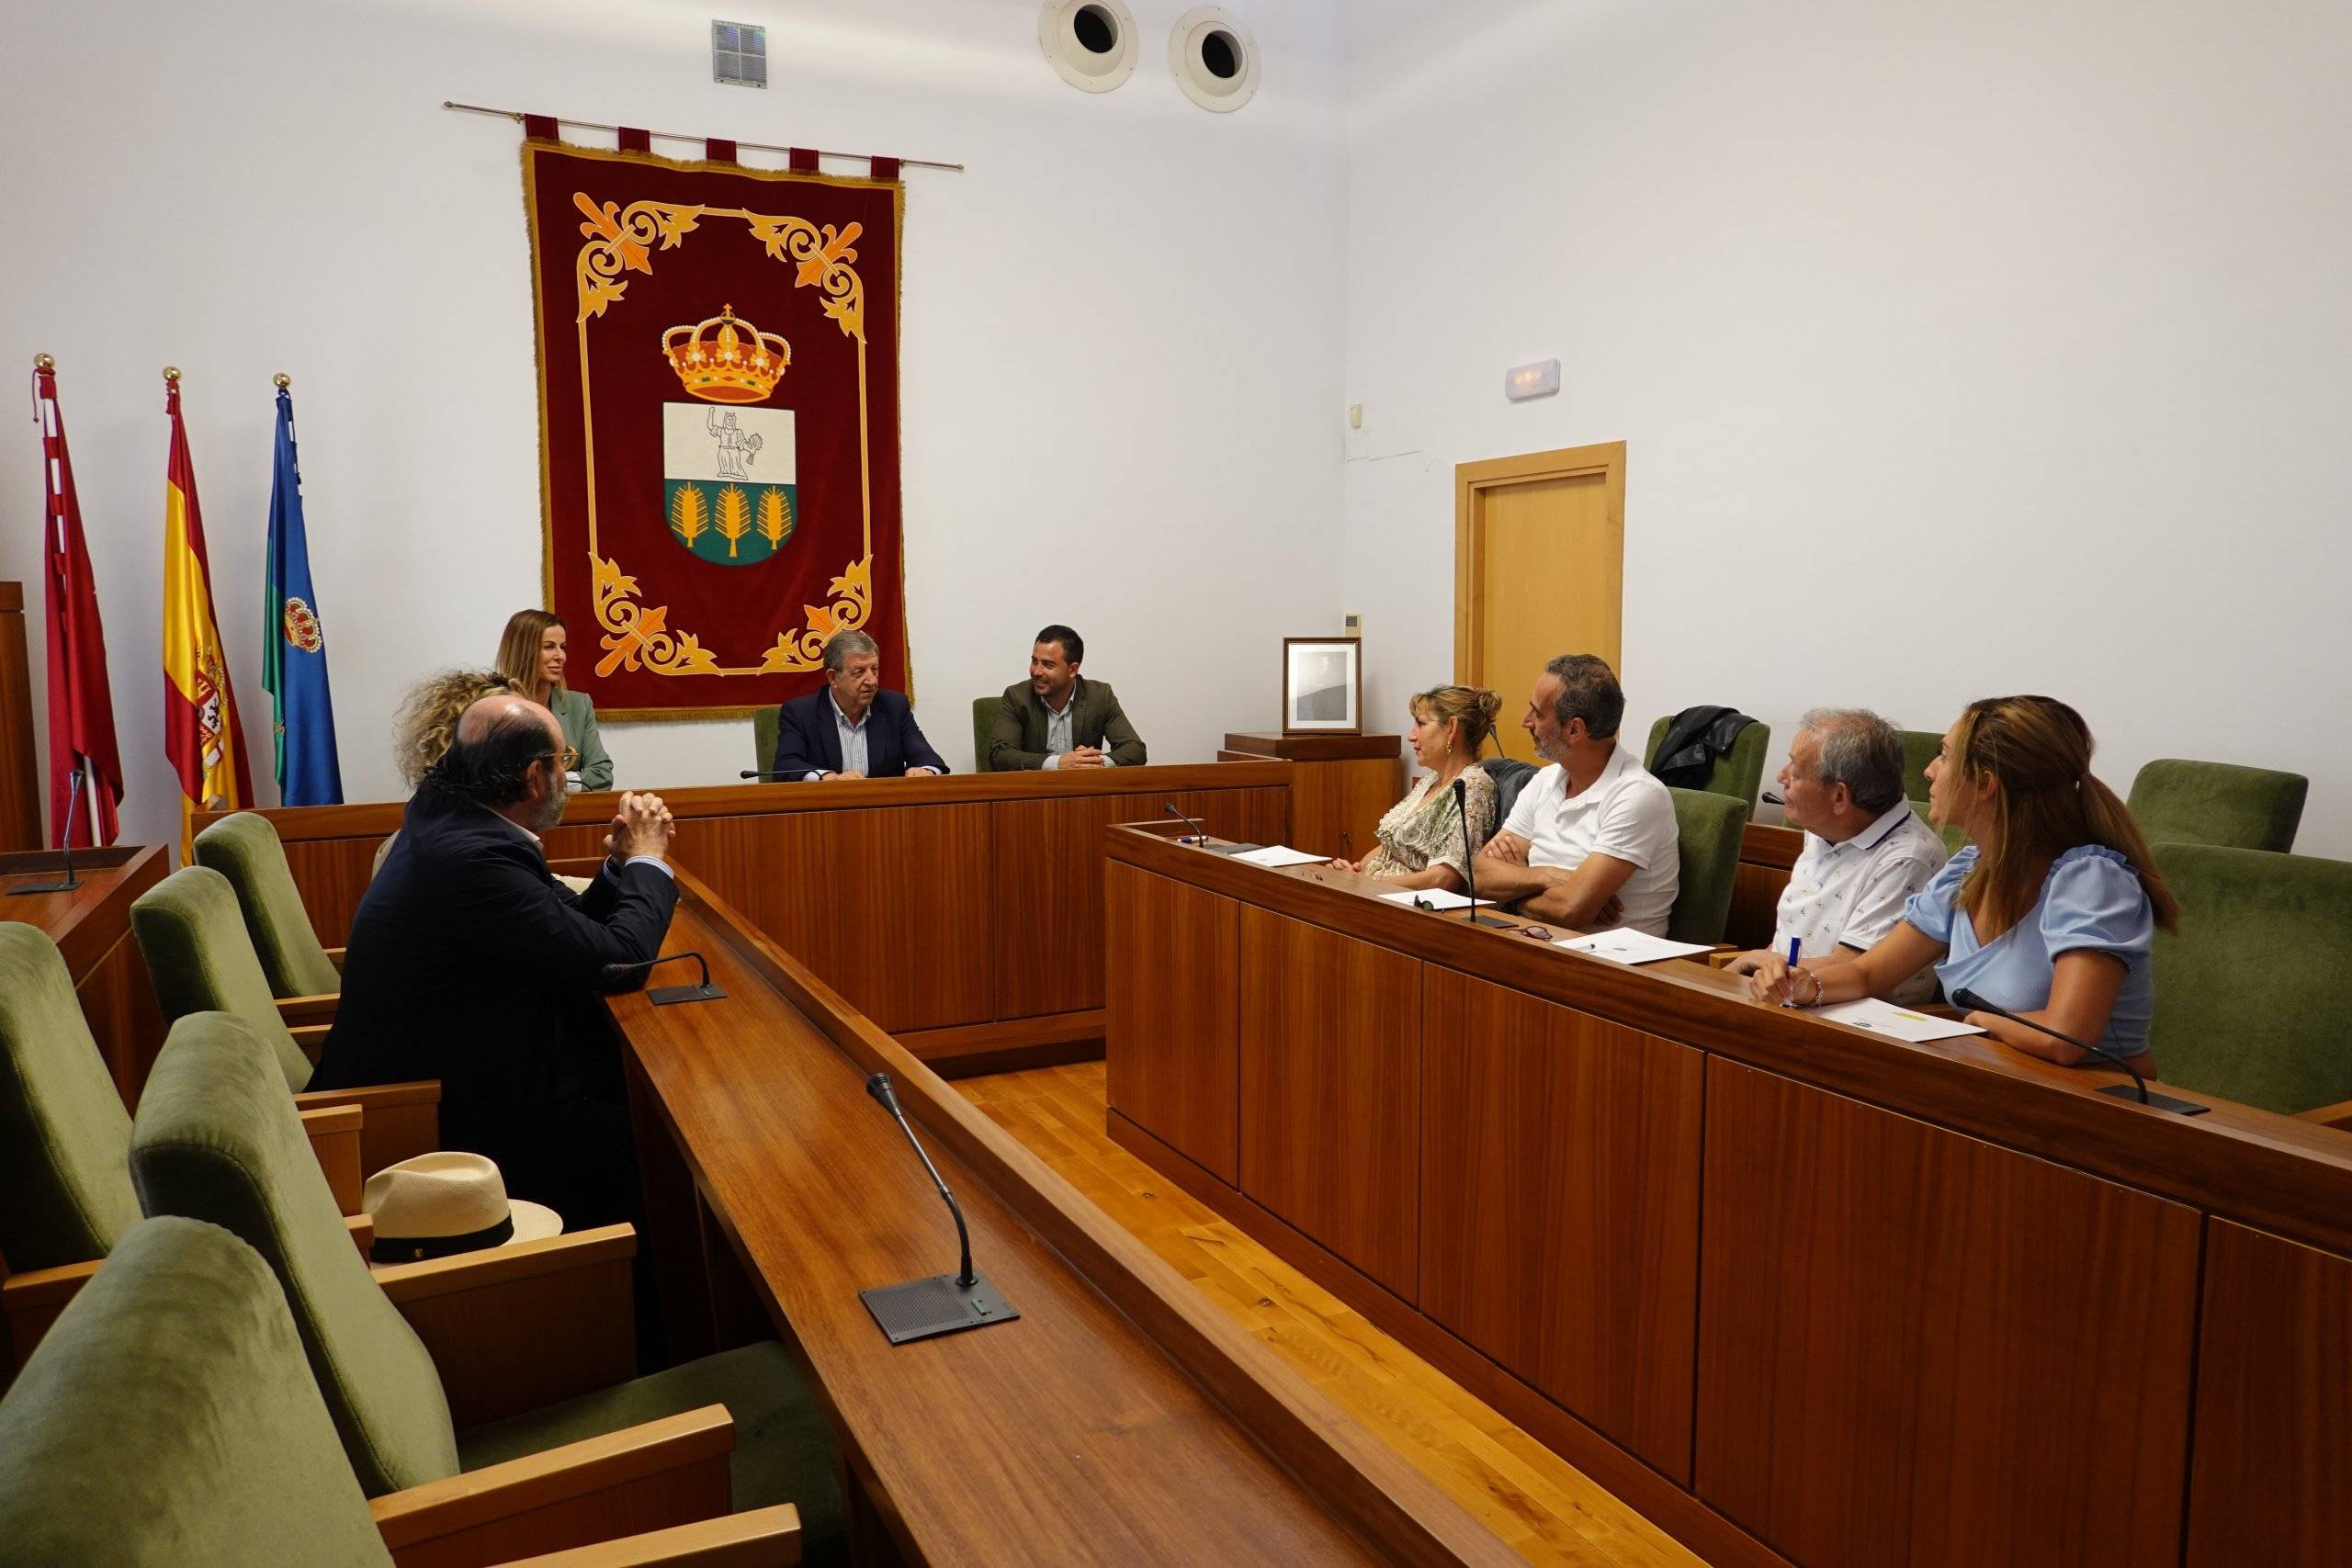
<point x="1794" y="944"/>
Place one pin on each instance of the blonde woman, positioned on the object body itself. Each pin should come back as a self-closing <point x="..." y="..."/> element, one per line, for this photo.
<point x="1421" y="838"/>
<point x="2050" y="910"/>
<point x="531" y="653"/>
<point x="427" y="723"/>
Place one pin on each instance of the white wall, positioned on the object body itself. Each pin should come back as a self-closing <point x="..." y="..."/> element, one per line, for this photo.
<point x="1959" y="350"/>
<point x="1122" y="335"/>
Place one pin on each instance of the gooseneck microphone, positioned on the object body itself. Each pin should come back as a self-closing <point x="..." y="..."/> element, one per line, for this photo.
<point x="1970" y="1002"/>
<point x="767" y="773"/>
<point x="1469" y="878"/>
<point x="1200" y="840"/>
<point x="667" y="996"/>
<point x="66" y="881"/>
<point x="942" y="1303"/>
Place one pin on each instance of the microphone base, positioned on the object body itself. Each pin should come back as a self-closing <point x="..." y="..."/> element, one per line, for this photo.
<point x="671" y="996"/>
<point x="1217" y="849"/>
<point x="2158" y="1100"/>
<point x="923" y="1309"/>
<point x="1500" y="925"/>
<point x="67" y="886"/>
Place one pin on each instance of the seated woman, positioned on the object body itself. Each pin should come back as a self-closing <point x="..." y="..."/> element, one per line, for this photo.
<point x="427" y="722"/>
<point x="2049" y="912"/>
<point x="531" y="654"/>
<point x="1420" y="839"/>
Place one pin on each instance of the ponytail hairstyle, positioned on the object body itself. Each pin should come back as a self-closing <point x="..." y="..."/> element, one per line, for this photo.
<point x="2038" y="751"/>
<point x="1473" y="707"/>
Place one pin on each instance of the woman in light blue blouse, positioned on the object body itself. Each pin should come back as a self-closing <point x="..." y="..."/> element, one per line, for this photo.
<point x="2049" y="912"/>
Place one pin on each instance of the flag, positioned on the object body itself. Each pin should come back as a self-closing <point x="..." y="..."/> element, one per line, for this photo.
<point x="293" y="642"/>
<point x="81" y="702"/>
<point x="200" y="731"/>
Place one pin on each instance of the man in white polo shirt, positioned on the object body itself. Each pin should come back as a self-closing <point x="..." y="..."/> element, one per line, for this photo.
<point x="1865" y="850"/>
<point x="1591" y="842"/>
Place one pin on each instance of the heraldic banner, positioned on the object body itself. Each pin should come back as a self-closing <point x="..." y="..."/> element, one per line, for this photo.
<point x="719" y="416"/>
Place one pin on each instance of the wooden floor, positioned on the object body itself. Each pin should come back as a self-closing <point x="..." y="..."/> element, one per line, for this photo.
<point x="1546" y="1509"/>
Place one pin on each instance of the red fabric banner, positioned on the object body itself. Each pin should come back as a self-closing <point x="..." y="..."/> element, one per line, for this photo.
<point x="718" y="150"/>
<point x="81" y="699"/>
<point x="540" y="128"/>
<point x="885" y="169"/>
<point x="632" y="140"/>
<point x="804" y="160"/>
<point x="718" y="362"/>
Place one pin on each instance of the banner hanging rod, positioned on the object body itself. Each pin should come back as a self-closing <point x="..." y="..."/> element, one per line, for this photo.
<point x="517" y="116"/>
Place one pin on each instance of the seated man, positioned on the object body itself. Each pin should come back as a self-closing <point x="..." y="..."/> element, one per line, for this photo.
<point x="1591" y="842"/>
<point x="853" y="728"/>
<point x="1866" y="853"/>
<point x="1056" y="719"/>
<point x="470" y="964"/>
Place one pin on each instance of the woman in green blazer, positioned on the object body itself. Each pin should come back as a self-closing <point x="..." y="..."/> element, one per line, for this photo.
<point x="531" y="654"/>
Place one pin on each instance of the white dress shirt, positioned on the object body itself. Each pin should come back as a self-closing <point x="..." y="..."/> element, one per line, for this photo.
<point x="1624" y="813"/>
<point x="853" y="739"/>
<point x="1851" y="895"/>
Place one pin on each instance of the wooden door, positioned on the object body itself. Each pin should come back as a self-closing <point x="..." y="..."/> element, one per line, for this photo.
<point x="1539" y="567"/>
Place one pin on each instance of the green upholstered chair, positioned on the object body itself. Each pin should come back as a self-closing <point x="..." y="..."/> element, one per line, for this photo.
<point x="1953" y="837"/>
<point x="1920" y="747"/>
<point x="170" y="1417"/>
<point x="984" y="712"/>
<point x="65" y="1192"/>
<point x="202" y="960"/>
<point x="2253" y="990"/>
<point x="1708" y="827"/>
<point x="246" y="849"/>
<point x="2178" y="801"/>
<point x="763" y="727"/>
<point x="1738" y="773"/>
<point x="215" y="1140"/>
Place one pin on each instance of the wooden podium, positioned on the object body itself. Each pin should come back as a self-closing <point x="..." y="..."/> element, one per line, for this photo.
<point x="1340" y="785"/>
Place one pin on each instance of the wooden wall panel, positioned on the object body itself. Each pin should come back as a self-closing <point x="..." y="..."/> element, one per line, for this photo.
<point x="332" y="874"/>
<point x="118" y="1003"/>
<point x="1560" y="1204"/>
<point x="21" y="775"/>
<point x="1918" y="1347"/>
<point x="1174" y="1070"/>
<point x="1336" y="807"/>
<point x="1330" y="1091"/>
<point x="2274" y="1442"/>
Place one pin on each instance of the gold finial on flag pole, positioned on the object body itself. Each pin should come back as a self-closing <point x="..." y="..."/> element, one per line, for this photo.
<point x="281" y="380"/>
<point x="171" y="372"/>
<point x="43" y="362"/>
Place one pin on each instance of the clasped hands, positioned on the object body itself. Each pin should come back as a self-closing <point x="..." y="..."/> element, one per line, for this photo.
<point x="641" y="826"/>
<point x="1772" y="979"/>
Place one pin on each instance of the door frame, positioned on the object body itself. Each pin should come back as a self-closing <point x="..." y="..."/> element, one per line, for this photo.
<point x="1471" y="480"/>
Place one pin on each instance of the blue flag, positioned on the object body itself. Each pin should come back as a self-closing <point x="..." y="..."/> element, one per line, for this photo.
<point x="293" y="643"/>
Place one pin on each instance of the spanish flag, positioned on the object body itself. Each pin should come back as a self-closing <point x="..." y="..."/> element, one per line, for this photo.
<point x="200" y="731"/>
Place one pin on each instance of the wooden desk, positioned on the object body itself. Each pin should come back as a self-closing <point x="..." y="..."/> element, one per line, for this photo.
<point x="91" y="927"/>
<point x="961" y="914"/>
<point x="1121" y="1419"/>
<point x="1798" y="1293"/>
<point x="1340" y="786"/>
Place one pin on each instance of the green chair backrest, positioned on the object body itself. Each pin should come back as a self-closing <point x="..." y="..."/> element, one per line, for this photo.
<point x="202" y="960"/>
<point x="1953" y="837"/>
<point x="1738" y="773"/>
<point x="216" y="1139"/>
<point x="984" y="712"/>
<point x="1708" y="827"/>
<point x="168" y="1417"/>
<point x="246" y="849"/>
<point x="763" y="727"/>
<point x="1920" y="747"/>
<point x="2253" y="990"/>
<point x="2178" y="801"/>
<point x="65" y="1192"/>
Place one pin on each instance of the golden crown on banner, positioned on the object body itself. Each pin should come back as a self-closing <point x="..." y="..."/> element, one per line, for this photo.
<point x="738" y="364"/>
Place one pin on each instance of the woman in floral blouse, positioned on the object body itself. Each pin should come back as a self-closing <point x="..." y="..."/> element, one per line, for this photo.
<point x="1420" y="839"/>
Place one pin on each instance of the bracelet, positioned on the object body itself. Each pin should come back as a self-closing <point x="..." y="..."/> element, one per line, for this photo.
<point x="1817" y="989"/>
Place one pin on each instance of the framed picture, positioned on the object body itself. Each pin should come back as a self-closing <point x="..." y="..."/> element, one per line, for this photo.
<point x="1322" y="685"/>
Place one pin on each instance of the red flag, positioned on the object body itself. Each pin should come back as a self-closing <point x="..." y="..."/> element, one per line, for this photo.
<point x="201" y="735"/>
<point x="81" y="703"/>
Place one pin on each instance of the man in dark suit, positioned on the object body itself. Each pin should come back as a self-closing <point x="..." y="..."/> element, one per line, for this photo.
<point x="1058" y="719"/>
<point x="852" y="728"/>
<point x="469" y="963"/>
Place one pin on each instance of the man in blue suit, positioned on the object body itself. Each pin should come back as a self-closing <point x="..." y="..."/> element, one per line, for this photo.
<point x="852" y="729"/>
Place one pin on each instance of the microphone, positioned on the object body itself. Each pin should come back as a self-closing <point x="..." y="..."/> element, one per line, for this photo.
<point x="667" y="996"/>
<point x="1969" y="1001"/>
<point x="67" y="882"/>
<point x="942" y="1303"/>
<point x="1201" y="842"/>
<point x="1771" y="799"/>
<point x="1469" y="878"/>
<point x="765" y="774"/>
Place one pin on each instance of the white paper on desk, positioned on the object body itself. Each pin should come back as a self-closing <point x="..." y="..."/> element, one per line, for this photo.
<point x="1435" y="899"/>
<point x="1885" y="1018"/>
<point x="1626" y="945"/>
<point x="1279" y="855"/>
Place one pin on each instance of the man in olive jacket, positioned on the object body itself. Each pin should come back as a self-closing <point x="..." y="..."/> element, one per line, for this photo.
<point x="1057" y="719"/>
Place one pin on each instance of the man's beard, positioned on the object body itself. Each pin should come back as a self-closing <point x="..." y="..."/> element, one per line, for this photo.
<point x="548" y="812"/>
